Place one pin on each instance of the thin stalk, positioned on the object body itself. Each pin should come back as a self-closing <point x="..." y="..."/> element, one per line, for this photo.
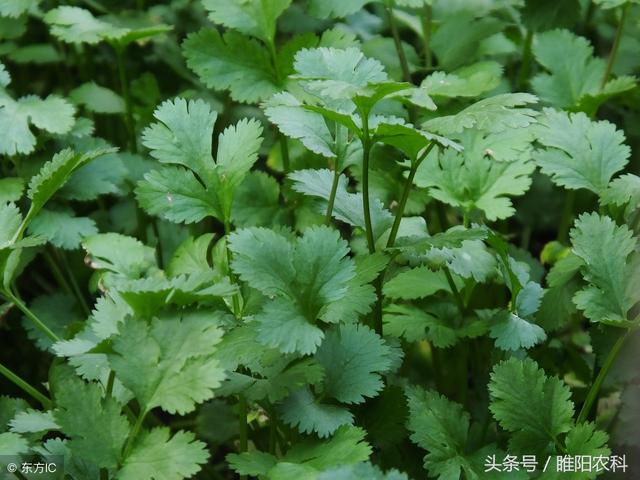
<point x="378" y="306"/>
<point x="57" y="273"/>
<point x="567" y="216"/>
<point x="405" y="195"/>
<point x="235" y="299"/>
<point x="124" y="89"/>
<point x="332" y="196"/>
<point x="110" y="382"/>
<point x="402" y="56"/>
<point x="525" y="66"/>
<point x="74" y="283"/>
<point x="427" y="19"/>
<point x="133" y="434"/>
<point x="284" y="153"/>
<point x="32" y="316"/>
<point x="26" y="387"/>
<point x="244" y="427"/>
<point x="456" y="293"/>
<point x="366" y="154"/>
<point x="616" y="45"/>
<point x="592" y="395"/>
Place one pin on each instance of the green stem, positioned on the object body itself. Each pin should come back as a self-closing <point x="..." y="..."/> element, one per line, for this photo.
<point x="616" y="45"/>
<point x="74" y="283"/>
<point x="284" y="152"/>
<point x="567" y="216"/>
<point x="110" y="382"/>
<point x="402" y="57"/>
<point x="454" y="290"/>
<point x="244" y="427"/>
<point x="133" y="434"/>
<point x="124" y="89"/>
<point x="405" y="195"/>
<point x="232" y="278"/>
<point x="332" y="196"/>
<point x="366" y="154"/>
<point x="57" y="273"/>
<point x="32" y="316"/>
<point x="592" y="395"/>
<point x="427" y="18"/>
<point x="525" y="66"/>
<point x="26" y="387"/>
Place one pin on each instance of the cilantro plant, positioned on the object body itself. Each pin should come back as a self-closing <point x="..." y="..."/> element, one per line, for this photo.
<point x="319" y="239"/>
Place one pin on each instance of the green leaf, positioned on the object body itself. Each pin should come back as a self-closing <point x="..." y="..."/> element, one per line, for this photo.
<point x="580" y="153"/>
<point x="512" y="332"/>
<point x="58" y="311"/>
<point x="12" y="444"/>
<point x="470" y="81"/>
<point x="33" y="421"/>
<point x="347" y="206"/>
<point x="176" y="194"/>
<point x="414" y="323"/>
<point x="105" y="175"/>
<point x="336" y="8"/>
<point x="535" y="408"/>
<point x="253" y="17"/>
<point x="367" y="356"/>
<point x="11" y="189"/>
<point x="604" y="248"/>
<point x="54" y="174"/>
<point x="168" y="363"/>
<point x="361" y="471"/>
<point x="257" y="201"/>
<point x="231" y="62"/>
<point x="474" y="182"/>
<point x="61" y="228"/>
<point x="159" y="455"/>
<point x="494" y="114"/>
<point x="119" y="254"/>
<point x="303" y="280"/>
<point x="441" y="427"/>
<point x="52" y="114"/>
<point x="574" y="73"/>
<point x="337" y="73"/>
<point x="419" y="282"/>
<point x="182" y="135"/>
<point x="77" y="25"/>
<point x="97" y="99"/>
<point x="15" y="8"/>
<point x="310" y="457"/>
<point x="191" y="256"/>
<point x="305" y="412"/>
<point x="95" y="426"/>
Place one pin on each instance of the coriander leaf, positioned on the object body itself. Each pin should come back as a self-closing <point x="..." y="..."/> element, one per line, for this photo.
<point x="175" y="194"/>
<point x="469" y="81"/>
<point x="580" y="153"/>
<point x="253" y="17"/>
<point x="15" y="8"/>
<point x="168" y="363"/>
<point x="61" y="228"/>
<point x="58" y="311"/>
<point x="512" y="332"/>
<point x="441" y="427"/>
<point x="535" y="408"/>
<point x="119" y="254"/>
<point x="574" y="73"/>
<point x="160" y="456"/>
<point x="415" y="323"/>
<point x="303" y="411"/>
<point x="12" y="444"/>
<point x="54" y="174"/>
<point x="353" y="357"/>
<point x="182" y="135"/>
<point x="336" y="8"/>
<point x="257" y="202"/>
<point x="33" y="421"/>
<point x="95" y="426"/>
<point x="77" y="25"/>
<point x="11" y="189"/>
<point x="231" y="62"/>
<point x="361" y="471"/>
<point x="604" y="247"/>
<point x="191" y="256"/>
<point x="494" y="114"/>
<point x="97" y="99"/>
<point x="475" y="182"/>
<point x="419" y="282"/>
